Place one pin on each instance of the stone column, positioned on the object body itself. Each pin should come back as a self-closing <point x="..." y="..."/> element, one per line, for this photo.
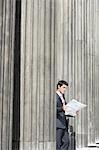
<point x="84" y="74"/>
<point x="97" y="73"/>
<point x="75" y="60"/>
<point x="37" y="122"/>
<point x="97" y="104"/>
<point x="57" y="42"/>
<point x="7" y="16"/>
<point x="91" y="12"/>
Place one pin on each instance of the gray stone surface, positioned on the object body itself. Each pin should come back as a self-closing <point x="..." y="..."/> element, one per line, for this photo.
<point x="59" y="40"/>
<point x="7" y="16"/>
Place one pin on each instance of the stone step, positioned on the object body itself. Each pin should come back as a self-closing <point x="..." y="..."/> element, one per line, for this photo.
<point x="90" y="147"/>
<point x="87" y="148"/>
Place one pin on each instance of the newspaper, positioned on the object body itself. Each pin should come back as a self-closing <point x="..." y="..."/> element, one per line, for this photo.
<point x="73" y="106"/>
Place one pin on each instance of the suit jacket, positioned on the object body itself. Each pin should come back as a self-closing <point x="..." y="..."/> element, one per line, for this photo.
<point x="61" y="121"/>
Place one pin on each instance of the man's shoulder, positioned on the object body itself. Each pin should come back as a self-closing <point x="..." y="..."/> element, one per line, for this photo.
<point x="58" y="97"/>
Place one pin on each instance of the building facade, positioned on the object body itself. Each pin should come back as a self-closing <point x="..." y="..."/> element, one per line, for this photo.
<point x="41" y="42"/>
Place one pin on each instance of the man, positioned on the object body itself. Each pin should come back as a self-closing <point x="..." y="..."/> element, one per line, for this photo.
<point x="62" y="136"/>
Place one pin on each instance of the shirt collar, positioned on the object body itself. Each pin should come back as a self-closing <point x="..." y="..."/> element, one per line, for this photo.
<point x="60" y="94"/>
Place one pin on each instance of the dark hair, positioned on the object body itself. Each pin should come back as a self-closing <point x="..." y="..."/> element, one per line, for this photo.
<point x="61" y="82"/>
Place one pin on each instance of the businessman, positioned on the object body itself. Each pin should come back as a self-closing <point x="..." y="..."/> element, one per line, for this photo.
<point x="62" y="136"/>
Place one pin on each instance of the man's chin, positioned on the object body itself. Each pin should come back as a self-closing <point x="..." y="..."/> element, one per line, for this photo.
<point x="62" y="92"/>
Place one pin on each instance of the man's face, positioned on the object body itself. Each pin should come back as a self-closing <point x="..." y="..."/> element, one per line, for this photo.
<point x="62" y="88"/>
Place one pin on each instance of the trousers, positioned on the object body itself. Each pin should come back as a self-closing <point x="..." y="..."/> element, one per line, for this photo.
<point x="62" y="139"/>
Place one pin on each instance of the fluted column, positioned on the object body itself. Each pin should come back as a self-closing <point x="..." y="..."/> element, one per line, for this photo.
<point x="91" y="71"/>
<point x="7" y="16"/>
<point x="75" y="60"/>
<point x="97" y="103"/>
<point x="58" y="41"/>
<point x="97" y="73"/>
<point x="37" y="126"/>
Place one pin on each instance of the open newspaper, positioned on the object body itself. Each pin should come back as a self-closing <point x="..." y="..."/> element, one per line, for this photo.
<point x="73" y="106"/>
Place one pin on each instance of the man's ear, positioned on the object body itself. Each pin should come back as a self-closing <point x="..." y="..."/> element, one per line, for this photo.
<point x="58" y="86"/>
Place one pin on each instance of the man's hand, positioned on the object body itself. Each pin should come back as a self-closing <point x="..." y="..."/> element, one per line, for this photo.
<point x="77" y="112"/>
<point x="64" y="107"/>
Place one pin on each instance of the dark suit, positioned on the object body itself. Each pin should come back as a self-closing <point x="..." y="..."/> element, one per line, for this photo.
<point x="62" y="136"/>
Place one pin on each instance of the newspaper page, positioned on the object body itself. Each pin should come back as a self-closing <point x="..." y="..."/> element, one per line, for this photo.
<point x="73" y="106"/>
